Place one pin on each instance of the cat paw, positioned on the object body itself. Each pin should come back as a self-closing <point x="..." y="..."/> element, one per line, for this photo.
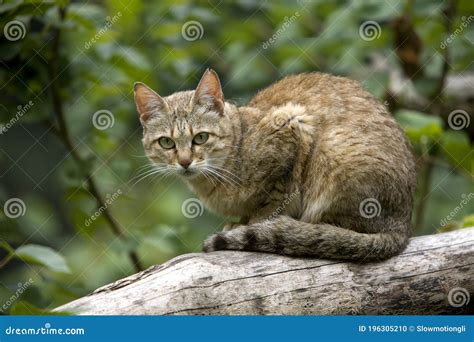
<point x="288" y="115"/>
<point x="215" y="242"/>
<point x="276" y="120"/>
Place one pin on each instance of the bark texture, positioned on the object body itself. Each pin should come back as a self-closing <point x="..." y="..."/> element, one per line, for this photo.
<point x="434" y="275"/>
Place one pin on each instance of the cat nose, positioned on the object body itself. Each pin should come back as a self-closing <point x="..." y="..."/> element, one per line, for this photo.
<point x="185" y="162"/>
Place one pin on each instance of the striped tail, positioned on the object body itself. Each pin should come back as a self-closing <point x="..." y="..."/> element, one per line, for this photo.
<point x="287" y="236"/>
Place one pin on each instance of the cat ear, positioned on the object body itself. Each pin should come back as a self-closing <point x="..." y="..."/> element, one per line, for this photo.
<point x="148" y="102"/>
<point x="209" y="91"/>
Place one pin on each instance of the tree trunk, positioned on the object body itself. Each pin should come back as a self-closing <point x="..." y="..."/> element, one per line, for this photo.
<point x="434" y="275"/>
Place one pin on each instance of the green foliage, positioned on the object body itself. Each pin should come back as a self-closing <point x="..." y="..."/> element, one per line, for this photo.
<point x="457" y="149"/>
<point x="420" y="128"/>
<point x="468" y="221"/>
<point x="427" y="132"/>
<point x="44" y="256"/>
<point x="106" y="46"/>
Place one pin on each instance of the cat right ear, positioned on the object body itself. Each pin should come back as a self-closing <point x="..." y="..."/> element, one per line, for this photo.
<point x="148" y="102"/>
<point x="209" y="91"/>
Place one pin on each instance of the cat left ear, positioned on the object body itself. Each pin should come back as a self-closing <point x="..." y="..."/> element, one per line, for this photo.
<point x="148" y="102"/>
<point x="209" y="91"/>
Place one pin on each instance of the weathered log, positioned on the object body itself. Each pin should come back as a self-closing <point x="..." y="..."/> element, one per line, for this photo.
<point x="434" y="275"/>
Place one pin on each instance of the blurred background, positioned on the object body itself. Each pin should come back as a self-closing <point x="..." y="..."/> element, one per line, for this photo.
<point x="75" y="213"/>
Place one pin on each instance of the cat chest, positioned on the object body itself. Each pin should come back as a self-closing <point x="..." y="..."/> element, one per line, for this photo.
<point x="229" y="202"/>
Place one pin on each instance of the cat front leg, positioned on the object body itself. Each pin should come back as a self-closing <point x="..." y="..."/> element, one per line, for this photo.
<point x="235" y="234"/>
<point x="249" y="237"/>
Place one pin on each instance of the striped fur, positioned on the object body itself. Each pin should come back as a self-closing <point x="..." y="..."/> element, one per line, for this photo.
<point x="313" y="165"/>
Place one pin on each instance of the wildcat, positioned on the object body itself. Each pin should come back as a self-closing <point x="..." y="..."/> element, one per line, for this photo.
<point x="313" y="165"/>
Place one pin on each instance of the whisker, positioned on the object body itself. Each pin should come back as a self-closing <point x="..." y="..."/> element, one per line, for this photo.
<point x="144" y="177"/>
<point x="227" y="171"/>
<point x="223" y="176"/>
<point x="145" y="171"/>
<point x="208" y="177"/>
<point x="166" y="174"/>
<point x="217" y="177"/>
<point x="147" y="174"/>
<point x="150" y="165"/>
<point x="143" y="167"/>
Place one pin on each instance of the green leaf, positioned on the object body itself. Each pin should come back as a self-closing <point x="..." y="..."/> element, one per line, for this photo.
<point x="44" y="256"/>
<point x="419" y="126"/>
<point x="468" y="221"/>
<point x="457" y="149"/>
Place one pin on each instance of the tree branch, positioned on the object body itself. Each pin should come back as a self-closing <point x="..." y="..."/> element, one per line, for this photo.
<point x="63" y="132"/>
<point x="432" y="276"/>
<point x="449" y="14"/>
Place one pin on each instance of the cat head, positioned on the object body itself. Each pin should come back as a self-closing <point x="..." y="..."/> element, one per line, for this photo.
<point x="189" y="133"/>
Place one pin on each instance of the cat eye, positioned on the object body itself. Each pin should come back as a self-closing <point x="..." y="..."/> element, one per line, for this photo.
<point x="166" y="143"/>
<point x="200" y="138"/>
